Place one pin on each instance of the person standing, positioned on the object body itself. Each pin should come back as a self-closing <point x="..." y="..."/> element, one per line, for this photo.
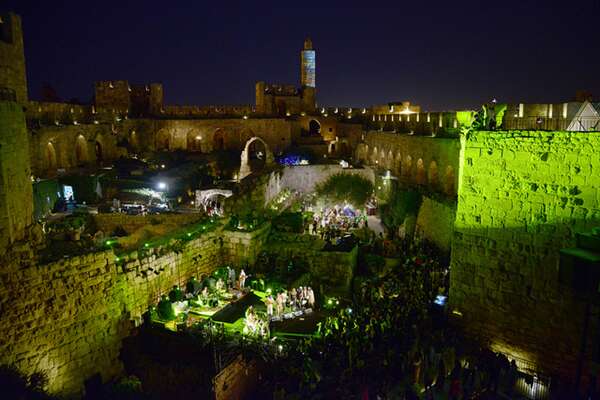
<point x="242" y="280"/>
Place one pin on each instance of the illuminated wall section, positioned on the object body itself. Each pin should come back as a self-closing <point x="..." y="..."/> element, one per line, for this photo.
<point x="522" y="197"/>
<point x="308" y="57"/>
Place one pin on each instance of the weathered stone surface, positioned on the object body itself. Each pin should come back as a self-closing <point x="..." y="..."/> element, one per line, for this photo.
<point x="523" y="196"/>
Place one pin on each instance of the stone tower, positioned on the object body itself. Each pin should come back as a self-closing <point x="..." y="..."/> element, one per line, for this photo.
<point x="13" y="81"/>
<point x="16" y="195"/>
<point x="307" y="56"/>
<point x="308" y="77"/>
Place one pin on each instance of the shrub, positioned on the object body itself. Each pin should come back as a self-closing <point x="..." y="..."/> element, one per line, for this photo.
<point x="289" y="222"/>
<point x="343" y="187"/>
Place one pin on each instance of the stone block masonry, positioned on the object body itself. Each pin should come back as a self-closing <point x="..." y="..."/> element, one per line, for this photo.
<point x="68" y="318"/>
<point x="16" y="193"/>
<point x="522" y="197"/>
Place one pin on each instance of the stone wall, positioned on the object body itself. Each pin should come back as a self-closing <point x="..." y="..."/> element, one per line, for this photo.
<point x="243" y="247"/>
<point x="427" y="161"/>
<point x="16" y="196"/>
<point x="435" y="221"/>
<point x="522" y="197"/>
<point x="66" y="147"/>
<point x="107" y="223"/>
<point x="12" y="57"/>
<point x="304" y="178"/>
<point x="68" y="318"/>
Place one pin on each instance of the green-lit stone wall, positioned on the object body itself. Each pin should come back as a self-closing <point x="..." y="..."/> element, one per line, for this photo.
<point x="16" y="198"/>
<point x="521" y="198"/>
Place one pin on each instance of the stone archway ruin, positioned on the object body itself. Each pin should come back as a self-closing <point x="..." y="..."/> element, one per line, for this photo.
<point x="245" y="169"/>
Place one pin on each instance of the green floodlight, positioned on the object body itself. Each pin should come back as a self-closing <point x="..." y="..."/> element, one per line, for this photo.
<point x="146" y="244"/>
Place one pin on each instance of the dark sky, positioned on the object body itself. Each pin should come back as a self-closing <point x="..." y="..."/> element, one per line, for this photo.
<point x="442" y="55"/>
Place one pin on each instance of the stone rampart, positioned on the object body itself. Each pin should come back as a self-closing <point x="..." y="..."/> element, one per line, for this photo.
<point x="68" y="318"/>
<point x="522" y="197"/>
<point x="107" y="223"/>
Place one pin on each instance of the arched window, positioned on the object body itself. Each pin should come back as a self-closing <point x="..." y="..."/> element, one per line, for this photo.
<point x="421" y="177"/>
<point x="433" y="174"/>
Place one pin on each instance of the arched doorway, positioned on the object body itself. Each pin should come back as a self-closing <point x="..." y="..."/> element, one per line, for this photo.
<point x="194" y="141"/>
<point x="433" y="175"/>
<point x="407" y="167"/>
<point x="256" y="153"/>
<point x="99" y="152"/>
<point x="50" y="158"/>
<point x="218" y="140"/>
<point x="81" y="151"/>
<point x="163" y="140"/>
<point x="314" y="128"/>
<point x="134" y="142"/>
<point x="421" y="177"/>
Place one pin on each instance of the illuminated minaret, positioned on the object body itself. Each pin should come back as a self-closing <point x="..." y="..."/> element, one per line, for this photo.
<point x="308" y="60"/>
<point x="307" y="77"/>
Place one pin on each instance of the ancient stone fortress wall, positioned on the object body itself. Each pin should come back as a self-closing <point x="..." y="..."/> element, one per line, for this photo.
<point x="71" y="146"/>
<point x="130" y="223"/>
<point x="16" y="194"/>
<point x="12" y="57"/>
<point x="208" y="135"/>
<point x="422" y="160"/>
<point x="208" y="111"/>
<point x="522" y="197"/>
<point x="304" y="178"/>
<point x="424" y="163"/>
<point x="68" y="318"/>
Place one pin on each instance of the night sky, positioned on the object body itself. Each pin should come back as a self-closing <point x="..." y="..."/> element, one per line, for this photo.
<point x="442" y="55"/>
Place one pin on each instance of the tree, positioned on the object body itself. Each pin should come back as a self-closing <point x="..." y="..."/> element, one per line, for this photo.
<point x="343" y="187"/>
<point x="402" y="208"/>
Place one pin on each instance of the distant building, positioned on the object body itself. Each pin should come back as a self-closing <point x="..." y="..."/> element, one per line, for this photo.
<point x="285" y="99"/>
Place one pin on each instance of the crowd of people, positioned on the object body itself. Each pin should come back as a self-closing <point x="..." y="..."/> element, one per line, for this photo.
<point x="332" y="222"/>
<point x="296" y="299"/>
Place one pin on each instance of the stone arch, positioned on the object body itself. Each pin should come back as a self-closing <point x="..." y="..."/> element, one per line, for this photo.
<point x="407" y="167"/>
<point x="99" y="151"/>
<point x="374" y="155"/>
<point x="433" y="174"/>
<point x="449" y="181"/>
<point x="421" y="176"/>
<point x="218" y="140"/>
<point x="50" y="157"/>
<point x="81" y="150"/>
<point x="314" y="128"/>
<point x="163" y="140"/>
<point x="245" y="169"/>
<point x="194" y="141"/>
<point x="390" y="160"/>
<point x="134" y="140"/>
<point x="245" y="135"/>
<point x="398" y="163"/>
<point x="382" y="158"/>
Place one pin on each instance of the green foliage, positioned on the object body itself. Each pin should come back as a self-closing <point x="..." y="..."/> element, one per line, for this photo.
<point x="175" y="294"/>
<point x="289" y="222"/>
<point x="17" y="385"/>
<point x="402" y="203"/>
<point x="489" y="117"/>
<point x="343" y="187"/>
<point x="375" y="264"/>
<point x="165" y="310"/>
